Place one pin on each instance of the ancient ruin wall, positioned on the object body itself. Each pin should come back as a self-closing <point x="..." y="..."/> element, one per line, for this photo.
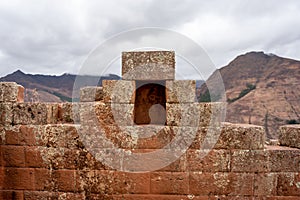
<point x="43" y="157"/>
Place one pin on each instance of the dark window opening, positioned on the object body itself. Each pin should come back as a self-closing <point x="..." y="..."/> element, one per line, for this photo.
<point x="150" y="102"/>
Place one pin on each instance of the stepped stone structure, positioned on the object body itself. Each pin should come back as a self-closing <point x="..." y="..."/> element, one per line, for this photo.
<point x="61" y="150"/>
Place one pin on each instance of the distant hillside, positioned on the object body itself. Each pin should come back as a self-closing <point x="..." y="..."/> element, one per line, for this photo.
<point x="47" y="88"/>
<point x="262" y="89"/>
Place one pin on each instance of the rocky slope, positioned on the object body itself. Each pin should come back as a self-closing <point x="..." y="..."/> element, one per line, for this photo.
<point x="262" y="89"/>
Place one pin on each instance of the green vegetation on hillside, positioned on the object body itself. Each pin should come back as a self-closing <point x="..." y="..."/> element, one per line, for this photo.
<point x="62" y="97"/>
<point x="207" y="97"/>
<point x="249" y="88"/>
<point x="292" y="121"/>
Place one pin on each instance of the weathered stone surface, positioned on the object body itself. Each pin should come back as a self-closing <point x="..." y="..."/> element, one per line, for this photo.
<point x="139" y="137"/>
<point x="112" y="182"/>
<point x="11" y="194"/>
<point x="69" y="113"/>
<point x="195" y="114"/>
<point x="99" y="114"/>
<point x="250" y="161"/>
<point x="6" y="114"/>
<point x="241" y="136"/>
<point x="20" y="135"/>
<point x="221" y="183"/>
<point x="13" y="156"/>
<point x="183" y="114"/>
<point x="33" y="195"/>
<point x="265" y="184"/>
<point x="169" y="183"/>
<point x="90" y="94"/>
<point x="35" y="113"/>
<point x="60" y="135"/>
<point x="30" y="113"/>
<point x="181" y="91"/>
<point x="213" y="161"/>
<point x="283" y="159"/>
<point x="11" y="92"/>
<point x="228" y="136"/>
<point x="120" y="114"/>
<point x="288" y="184"/>
<point x="289" y="135"/>
<point x="148" y="65"/>
<point x="52" y="113"/>
<point x="118" y="91"/>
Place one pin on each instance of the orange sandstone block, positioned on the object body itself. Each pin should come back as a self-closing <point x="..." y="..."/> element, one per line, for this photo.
<point x="288" y="184"/>
<point x="250" y="161"/>
<point x="221" y="183"/>
<point x="13" y="156"/>
<point x="208" y="160"/>
<point x="12" y="194"/>
<point x="18" y="178"/>
<point x="169" y="183"/>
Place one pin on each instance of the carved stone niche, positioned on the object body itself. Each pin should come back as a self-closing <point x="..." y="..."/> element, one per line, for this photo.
<point x="150" y="102"/>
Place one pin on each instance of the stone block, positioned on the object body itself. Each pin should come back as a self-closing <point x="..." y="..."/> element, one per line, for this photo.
<point x="118" y="91"/>
<point x="18" y="179"/>
<point x="32" y="195"/>
<point x="11" y="194"/>
<point x="90" y="94"/>
<point x="64" y="180"/>
<point x="241" y="136"/>
<point x="21" y="135"/>
<point x="284" y="159"/>
<point x="69" y="113"/>
<point x="158" y="136"/>
<point x="43" y="180"/>
<point x="94" y="138"/>
<point x="288" y="184"/>
<point x="221" y="183"/>
<point x="30" y="113"/>
<point x="58" y="136"/>
<point x="6" y="114"/>
<point x="139" y="137"/>
<point x="101" y="114"/>
<point x="148" y="65"/>
<point x="11" y="92"/>
<point x="52" y="113"/>
<point x="183" y="114"/>
<point x="289" y="135"/>
<point x="265" y="184"/>
<point x="169" y="183"/>
<point x="181" y="91"/>
<point x="195" y="114"/>
<point x="112" y="182"/>
<point x="250" y="161"/>
<point x="212" y="161"/>
<point x="34" y="157"/>
<point x="148" y="160"/>
<point x="13" y="156"/>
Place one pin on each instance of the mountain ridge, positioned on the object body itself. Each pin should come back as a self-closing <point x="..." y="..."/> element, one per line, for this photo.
<point x="54" y="88"/>
<point x="261" y="89"/>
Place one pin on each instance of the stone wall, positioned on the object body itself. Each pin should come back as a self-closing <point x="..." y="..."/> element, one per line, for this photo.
<point x="43" y="156"/>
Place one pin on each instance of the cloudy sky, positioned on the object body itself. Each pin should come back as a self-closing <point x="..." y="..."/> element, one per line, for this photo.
<point x="54" y="37"/>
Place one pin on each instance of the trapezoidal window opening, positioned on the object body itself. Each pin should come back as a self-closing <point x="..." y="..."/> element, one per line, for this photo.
<point x="150" y="103"/>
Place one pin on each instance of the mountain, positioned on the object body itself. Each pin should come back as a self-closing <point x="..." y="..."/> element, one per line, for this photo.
<point x="261" y="89"/>
<point x="46" y="88"/>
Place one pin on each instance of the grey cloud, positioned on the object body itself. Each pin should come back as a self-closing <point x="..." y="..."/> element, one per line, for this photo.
<point x="56" y="36"/>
